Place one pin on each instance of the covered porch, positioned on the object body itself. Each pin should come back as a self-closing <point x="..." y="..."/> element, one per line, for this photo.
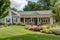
<point x="36" y="20"/>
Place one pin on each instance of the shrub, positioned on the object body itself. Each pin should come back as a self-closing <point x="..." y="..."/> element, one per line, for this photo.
<point x="58" y="23"/>
<point x="6" y="24"/>
<point x="22" y="24"/>
<point x="36" y="28"/>
<point x="56" y="31"/>
<point x="29" y="27"/>
<point x="48" y="29"/>
<point x="16" y="23"/>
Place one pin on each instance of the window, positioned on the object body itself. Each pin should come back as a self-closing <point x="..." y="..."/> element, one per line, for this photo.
<point x="22" y="20"/>
<point x="7" y="19"/>
<point x="27" y="19"/>
<point x="14" y="19"/>
<point x="45" y="20"/>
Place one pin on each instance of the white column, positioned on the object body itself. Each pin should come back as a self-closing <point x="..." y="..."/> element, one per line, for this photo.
<point x="24" y="20"/>
<point x="11" y="20"/>
<point x="10" y="17"/>
<point x="51" y="20"/>
<point x="20" y="19"/>
<point x="5" y="19"/>
<point x="31" y="20"/>
<point x="2" y="20"/>
<point x="38" y="21"/>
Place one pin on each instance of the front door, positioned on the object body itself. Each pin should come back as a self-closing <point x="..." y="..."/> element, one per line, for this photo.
<point x="35" y="21"/>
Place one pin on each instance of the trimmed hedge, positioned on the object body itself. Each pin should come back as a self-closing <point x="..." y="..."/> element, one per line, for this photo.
<point x="16" y="23"/>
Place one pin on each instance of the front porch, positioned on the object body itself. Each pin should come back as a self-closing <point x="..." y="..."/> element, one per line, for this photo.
<point x="35" y="21"/>
<point x="31" y="20"/>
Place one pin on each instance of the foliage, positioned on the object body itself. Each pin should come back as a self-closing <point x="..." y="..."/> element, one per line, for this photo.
<point x="15" y="9"/>
<point x="58" y="23"/>
<point x="29" y="27"/>
<point x="53" y="2"/>
<point x="17" y="23"/>
<point x="48" y="29"/>
<point x="56" y="31"/>
<point x="47" y="4"/>
<point x="4" y="8"/>
<point x="40" y="5"/>
<point x="56" y="12"/>
<point x="36" y="28"/>
<point x="22" y="24"/>
<point x="32" y="6"/>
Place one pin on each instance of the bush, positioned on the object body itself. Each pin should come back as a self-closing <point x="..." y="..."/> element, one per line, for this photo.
<point x="58" y="23"/>
<point x="22" y="24"/>
<point x="6" y="24"/>
<point x="16" y="23"/>
<point x="56" y="31"/>
<point x="48" y="29"/>
<point x="29" y="27"/>
<point x="36" y="28"/>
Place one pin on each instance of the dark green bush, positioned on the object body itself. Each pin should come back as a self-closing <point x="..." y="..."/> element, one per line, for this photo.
<point x="22" y="24"/>
<point x="16" y="23"/>
<point x="58" y="23"/>
<point x="6" y="24"/>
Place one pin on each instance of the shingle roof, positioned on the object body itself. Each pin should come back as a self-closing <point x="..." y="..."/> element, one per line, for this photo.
<point x="46" y="13"/>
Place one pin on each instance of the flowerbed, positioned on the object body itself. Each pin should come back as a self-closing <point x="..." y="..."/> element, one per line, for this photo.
<point x="44" y="29"/>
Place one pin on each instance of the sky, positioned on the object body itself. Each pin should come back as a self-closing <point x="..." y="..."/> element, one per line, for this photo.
<point x="32" y="0"/>
<point x="20" y="4"/>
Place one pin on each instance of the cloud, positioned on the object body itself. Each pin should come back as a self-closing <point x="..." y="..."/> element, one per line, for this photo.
<point x="18" y="4"/>
<point x="33" y="0"/>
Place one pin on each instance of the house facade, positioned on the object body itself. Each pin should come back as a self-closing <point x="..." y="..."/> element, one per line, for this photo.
<point x="35" y="17"/>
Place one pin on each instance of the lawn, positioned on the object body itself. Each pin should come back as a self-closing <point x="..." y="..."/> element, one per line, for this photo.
<point x="19" y="33"/>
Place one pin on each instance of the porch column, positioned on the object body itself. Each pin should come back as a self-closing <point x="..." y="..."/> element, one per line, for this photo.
<point x="38" y="21"/>
<point x="51" y="20"/>
<point x="2" y="20"/>
<point x="31" y="20"/>
<point x="5" y="19"/>
<point x="11" y="20"/>
<point x="24" y="20"/>
<point x="20" y="19"/>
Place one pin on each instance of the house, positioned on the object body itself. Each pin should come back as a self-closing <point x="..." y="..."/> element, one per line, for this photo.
<point x="36" y="17"/>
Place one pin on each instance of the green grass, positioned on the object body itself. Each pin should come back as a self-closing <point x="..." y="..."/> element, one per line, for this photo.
<point x="19" y="33"/>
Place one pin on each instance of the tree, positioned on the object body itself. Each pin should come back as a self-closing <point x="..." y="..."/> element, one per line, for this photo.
<point x="14" y="9"/>
<point x="47" y="4"/>
<point x="56" y="12"/>
<point x="32" y="6"/>
<point x="52" y="3"/>
<point x="4" y="8"/>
